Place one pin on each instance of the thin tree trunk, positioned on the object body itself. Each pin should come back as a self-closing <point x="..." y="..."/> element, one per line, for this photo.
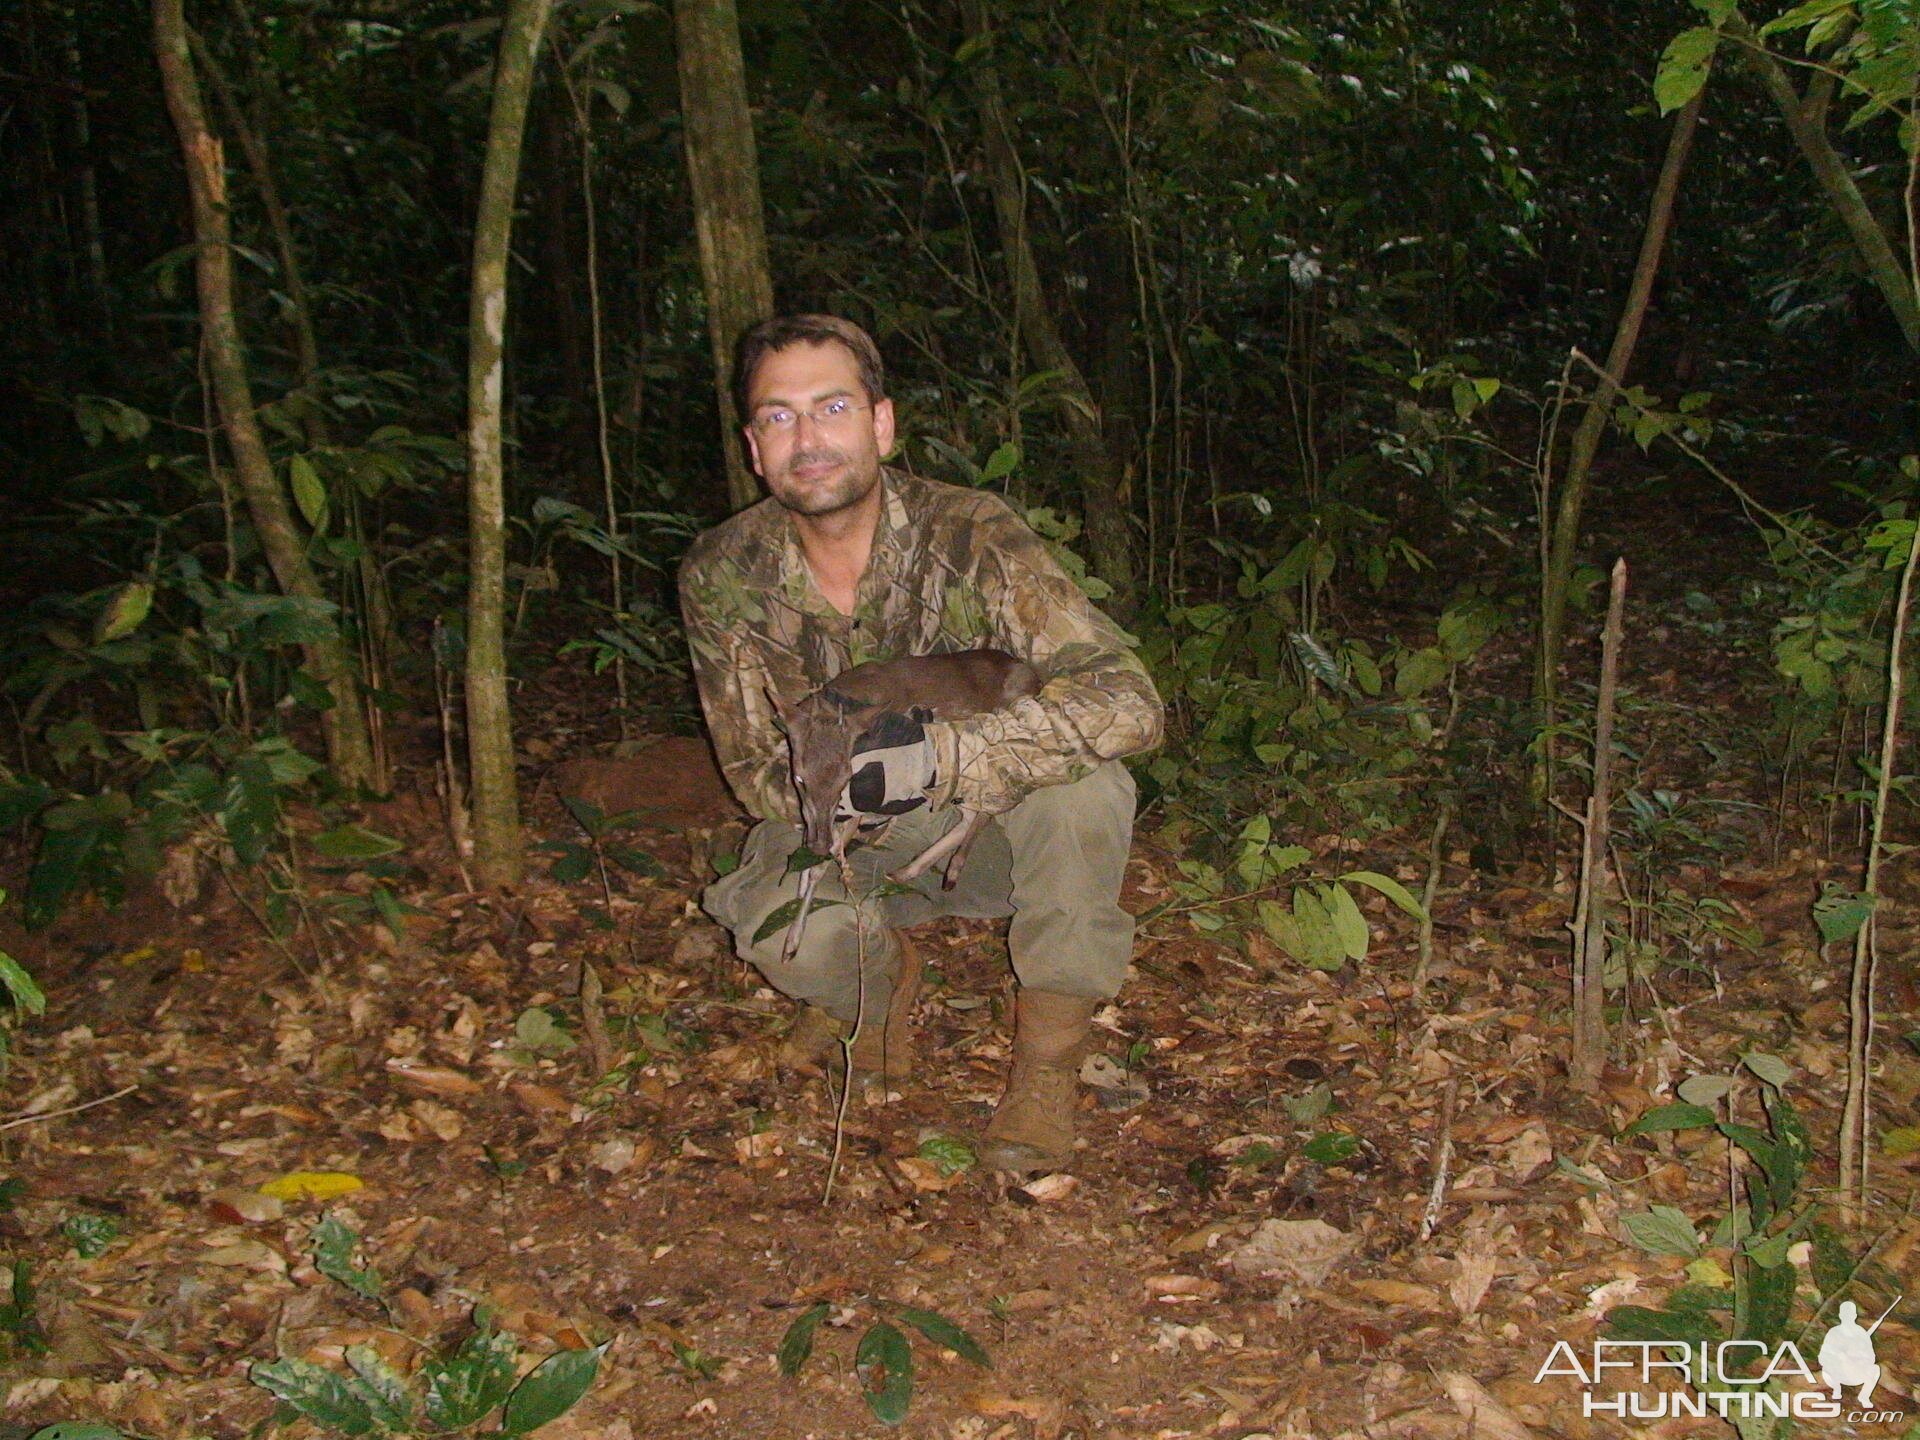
<point x="723" y="166"/>
<point x="1588" y="1051"/>
<point x="1586" y="441"/>
<point x="306" y="347"/>
<point x="1805" y="122"/>
<point x="496" y="801"/>
<point x="89" y="182"/>
<point x="1104" y="497"/>
<point x="348" y="748"/>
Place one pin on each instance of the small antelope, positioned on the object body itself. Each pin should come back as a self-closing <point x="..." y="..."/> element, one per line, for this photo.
<point x="822" y="728"/>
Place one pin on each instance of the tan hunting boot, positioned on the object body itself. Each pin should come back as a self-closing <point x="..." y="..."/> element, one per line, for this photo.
<point x="885" y="1042"/>
<point x="1032" y="1127"/>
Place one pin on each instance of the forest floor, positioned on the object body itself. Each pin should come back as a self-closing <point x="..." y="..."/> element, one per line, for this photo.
<point x="1244" y="1246"/>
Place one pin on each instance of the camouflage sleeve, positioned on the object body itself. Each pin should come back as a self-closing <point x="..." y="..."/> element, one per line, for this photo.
<point x="1096" y="701"/>
<point x="732" y="678"/>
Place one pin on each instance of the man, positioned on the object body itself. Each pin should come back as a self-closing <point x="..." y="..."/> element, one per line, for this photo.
<point x="850" y="561"/>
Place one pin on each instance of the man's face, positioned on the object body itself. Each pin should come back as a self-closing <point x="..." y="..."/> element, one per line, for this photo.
<point x="815" y="461"/>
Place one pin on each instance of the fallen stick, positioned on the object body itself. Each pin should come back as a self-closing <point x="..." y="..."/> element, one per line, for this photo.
<point x="69" y="1110"/>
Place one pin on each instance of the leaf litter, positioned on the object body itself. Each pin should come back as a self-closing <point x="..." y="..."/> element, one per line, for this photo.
<point x="356" y="1160"/>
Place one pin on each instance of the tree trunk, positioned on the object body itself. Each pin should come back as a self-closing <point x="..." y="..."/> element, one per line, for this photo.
<point x="1105" y="501"/>
<point x="1806" y="122"/>
<point x="348" y="748"/>
<point x="724" y="168"/>
<point x="496" y="802"/>
<point x="1558" y="570"/>
<point x="306" y="347"/>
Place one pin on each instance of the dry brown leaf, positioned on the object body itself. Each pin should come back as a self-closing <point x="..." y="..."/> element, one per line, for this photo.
<point x="541" y="1099"/>
<point x="240" y="1206"/>
<point x="1306" y="1250"/>
<point x="1469" y="1287"/>
<point x="1399" y="1292"/>
<point x="925" y="1176"/>
<point x="1049" y="1188"/>
<point x="1182" y="1287"/>
<point x="1048" y="1415"/>
<point x="434" y="1079"/>
<point x="444" y="1121"/>
<point x="1490" y="1420"/>
<point x="247" y="1255"/>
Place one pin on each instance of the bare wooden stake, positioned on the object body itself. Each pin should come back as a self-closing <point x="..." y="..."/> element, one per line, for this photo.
<point x="1589" y="1049"/>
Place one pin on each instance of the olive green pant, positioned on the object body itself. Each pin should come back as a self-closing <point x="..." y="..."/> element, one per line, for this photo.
<point x="1054" y="863"/>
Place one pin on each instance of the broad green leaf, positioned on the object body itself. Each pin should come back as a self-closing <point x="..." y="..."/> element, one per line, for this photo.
<point x="1315" y="1104"/>
<point x="884" y="1363"/>
<point x="333" y="1247"/>
<point x="1770" y="1250"/>
<point x="1331" y="1148"/>
<point x="353" y="842"/>
<point x="1669" y="1117"/>
<point x="1389" y="887"/>
<point x="1808" y="14"/>
<point x="1420" y="672"/>
<point x="386" y="1388"/>
<point x="949" y="1336"/>
<point x="554" y="1387"/>
<point x="1277" y="920"/>
<point x="947" y="1155"/>
<point x="249" y="808"/>
<point x="1637" y="1322"/>
<point x="1840" y="914"/>
<point x="536" y="1029"/>
<point x="1002" y="462"/>
<point x="464" y="1388"/>
<point x="124" y="612"/>
<point x="20" y="985"/>
<point x="308" y="492"/>
<point x="1348" y="923"/>
<point x="1683" y="67"/>
<point x="784" y="914"/>
<point x="76" y="1430"/>
<point x="797" y="1344"/>
<point x="1322" y="948"/>
<point x="1770" y="1068"/>
<point x="340" y="1402"/>
<point x="1707" y="1271"/>
<point x="1662" y="1230"/>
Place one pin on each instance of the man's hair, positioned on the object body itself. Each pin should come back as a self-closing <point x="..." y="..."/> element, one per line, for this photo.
<point x="784" y="331"/>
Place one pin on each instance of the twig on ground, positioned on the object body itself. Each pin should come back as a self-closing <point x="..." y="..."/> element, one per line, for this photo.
<point x="68" y="1110"/>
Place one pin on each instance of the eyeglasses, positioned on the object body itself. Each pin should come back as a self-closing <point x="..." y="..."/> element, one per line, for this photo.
<point x="783" y="418"/>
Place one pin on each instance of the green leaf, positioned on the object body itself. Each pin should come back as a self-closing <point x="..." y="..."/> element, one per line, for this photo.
<point x="308" y="492"/>
<point x="1419" y="673"/>
<point x="386" y="1388"/>
<point x="76" y="1430"/>
<point x="1348" y="923"/>
<point x="1770" y="1068"/>
<point x="1669" y="1117"/>
<point x="1662" y="1230"/>
<point x="27" y="995"/>
<point x="948" y="1156"/>
<point x="1840" y="914"/>
<point x="1389" y="887"/>
<point x="949" y="1336"/>
<point x="333" y="1246"/>
<point x="554" y="1387"/>
<point x="352" y="842"/>
<point x="464" y="1388"/>
<point x="1637" y="1322"/>
<point x="1001" y="462"/>
<point x="1716" y="10"/>
<point x="1704" y="1090"/>
<point x="784" y="914"/>
<point x="249" y="808"/>
<point x="1683" y="67"/>
<point x="340" y="1402"/>
<point x="797" y="1344"/>
<point x="1315" y="1104"/>
<point x="884" y="1363"/>
<point x="1332" y="1147"/>
<point x="536" y="1029"/>
<point x="1313" y="917"/>
<point x="124" y="612"/>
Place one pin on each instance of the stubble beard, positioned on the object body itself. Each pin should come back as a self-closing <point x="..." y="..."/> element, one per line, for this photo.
<point x="847" y="490"/>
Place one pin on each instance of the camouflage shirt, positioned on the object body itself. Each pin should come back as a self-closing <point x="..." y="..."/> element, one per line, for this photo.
<point x="951" y="569"/>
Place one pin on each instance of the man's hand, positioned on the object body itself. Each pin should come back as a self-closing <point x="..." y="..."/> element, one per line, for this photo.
<point x="893" y="768"/>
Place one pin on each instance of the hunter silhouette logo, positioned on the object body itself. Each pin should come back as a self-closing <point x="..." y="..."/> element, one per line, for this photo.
<point x="1846" y="1355"/>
